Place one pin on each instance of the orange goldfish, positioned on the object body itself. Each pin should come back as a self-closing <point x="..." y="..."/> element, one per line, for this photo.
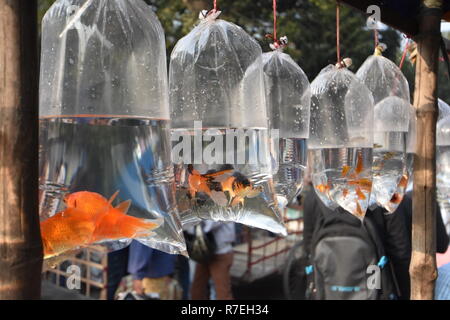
<point x="360" y="194"/>
<point x="403" y="182"/>
<point x="359" y="164"/>
<point x="396" y="198"/>
<point x="323" y="188"/>
<point x="90" y="218"/>
<point x="208" y="183"/>
<point x="215" y="185"/>
<point x="358" y="209"/>
<point x="365" y="184"/>
<point x="239" y="187"/>
<point x="345" y="170"/>
<point x="345" y="193"/>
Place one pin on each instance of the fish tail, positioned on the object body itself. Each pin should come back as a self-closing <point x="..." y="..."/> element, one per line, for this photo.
<point x="131" y="227"/>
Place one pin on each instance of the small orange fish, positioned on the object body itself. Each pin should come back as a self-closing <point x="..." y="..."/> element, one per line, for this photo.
<point x="345" y="170"/>
<point x="358" y="209"/>
<point x="359" y="164"/>
<point x="360" y="194"/>
<point x="90" y="218"/>
<point x="403" y="182"/>
<point x="215" y="185"/>
<point x="208" y="183"/>
<point x="345" y="193"/>
<point x="364" y="183"/>
<point x="239" y="187"/>
<point x="396" y="198"/>
<point x="323" y="188"/>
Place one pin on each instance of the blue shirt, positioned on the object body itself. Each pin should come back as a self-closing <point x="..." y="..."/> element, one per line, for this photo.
<point x="145" y="262"/>
<point x="442" y="290"/>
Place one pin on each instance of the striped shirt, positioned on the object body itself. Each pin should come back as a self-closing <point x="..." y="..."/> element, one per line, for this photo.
<point x="442" y="291"/>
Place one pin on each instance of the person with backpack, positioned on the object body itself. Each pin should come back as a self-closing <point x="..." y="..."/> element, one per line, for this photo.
<point x="218" y="237"/>
<point x="354" y="259"/>
<point x="390" y="232"/>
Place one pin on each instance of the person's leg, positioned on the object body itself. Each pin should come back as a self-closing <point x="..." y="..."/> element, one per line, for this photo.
<point x="183" y="275"/>
<point x="200" y="283"/>
<point x="220" y="273"/>
<point x="117" y="269"/>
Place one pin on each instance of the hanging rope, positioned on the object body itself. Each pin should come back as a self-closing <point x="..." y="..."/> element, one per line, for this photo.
<point x="338" y="44"/>
<point x="375" y="35"/>
<point x="404" y="53"/>
<point x="275" y="21"/>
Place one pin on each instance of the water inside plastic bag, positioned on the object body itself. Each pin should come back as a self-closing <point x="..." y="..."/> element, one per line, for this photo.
<point x="288" y="97"/>
<point x="105" y="167"/>
<point x="220" y="128"/>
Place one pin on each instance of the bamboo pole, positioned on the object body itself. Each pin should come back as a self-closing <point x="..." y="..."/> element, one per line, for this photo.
<point x="20" y="244"/>
<point x="423" y="263"/>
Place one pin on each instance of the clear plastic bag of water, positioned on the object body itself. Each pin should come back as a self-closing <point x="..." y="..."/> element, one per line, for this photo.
<point x="288" y="97"/>
<point x="105" y="169"/>
<point x="443" y="168"/>
<point x="341" y="140"/>
<point x="390" y="91"/>
<point x="220" y="132"/>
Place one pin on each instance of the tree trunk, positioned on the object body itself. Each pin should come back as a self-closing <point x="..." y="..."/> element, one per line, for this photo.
<point x="423" y="264"/>
<point x="20" y="244"/>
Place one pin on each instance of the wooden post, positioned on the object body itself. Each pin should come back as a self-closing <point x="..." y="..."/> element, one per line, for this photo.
<point x="20" y="244"/>
<point x="423" y="264"/>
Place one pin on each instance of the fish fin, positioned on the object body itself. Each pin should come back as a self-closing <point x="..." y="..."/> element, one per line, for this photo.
<point x="227" y="172"/>
<point x="124" y="206"/>
<point x="219" y="198"/>
<point x="113" y="197"/>
<point x="254" y="193"/>
<point x="222" y="178"/>
<point x="236" y="201"/>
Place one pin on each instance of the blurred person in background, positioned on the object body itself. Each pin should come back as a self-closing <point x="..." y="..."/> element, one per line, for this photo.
<point x="218" y="268"/>
<point x="152" y="272"/>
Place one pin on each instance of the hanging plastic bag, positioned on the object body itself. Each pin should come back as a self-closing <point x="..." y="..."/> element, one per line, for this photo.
<point x="405" y="182"/>
<point x="390" y="92"/>
<point x="443" y="168"/>
<point x="341" y="140"/>
<point x="105" y="170"/>
<point x="288" y="97"/>
<point x="391" y="118"/>
<point x="220" y="128"/>
<point x="444" y="109"/>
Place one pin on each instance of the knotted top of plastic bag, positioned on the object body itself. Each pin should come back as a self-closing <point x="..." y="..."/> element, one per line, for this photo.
<point x="216" y="76"/>
<point x="288" y="95"/>
<point x="383" y="78"/>
<point x="341" y="111"/>
<point x="103" y="57"/>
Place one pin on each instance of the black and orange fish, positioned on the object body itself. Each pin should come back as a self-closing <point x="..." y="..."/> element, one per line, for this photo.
<point x="216" y="184"/>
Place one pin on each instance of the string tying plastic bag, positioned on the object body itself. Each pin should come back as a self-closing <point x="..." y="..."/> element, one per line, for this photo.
<point x="220" y="128"/>
<point x="341" y="140"/>
<point x="105" y="170"/>
<point x="288" y="97"/>
<point x="390" y="92"/>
